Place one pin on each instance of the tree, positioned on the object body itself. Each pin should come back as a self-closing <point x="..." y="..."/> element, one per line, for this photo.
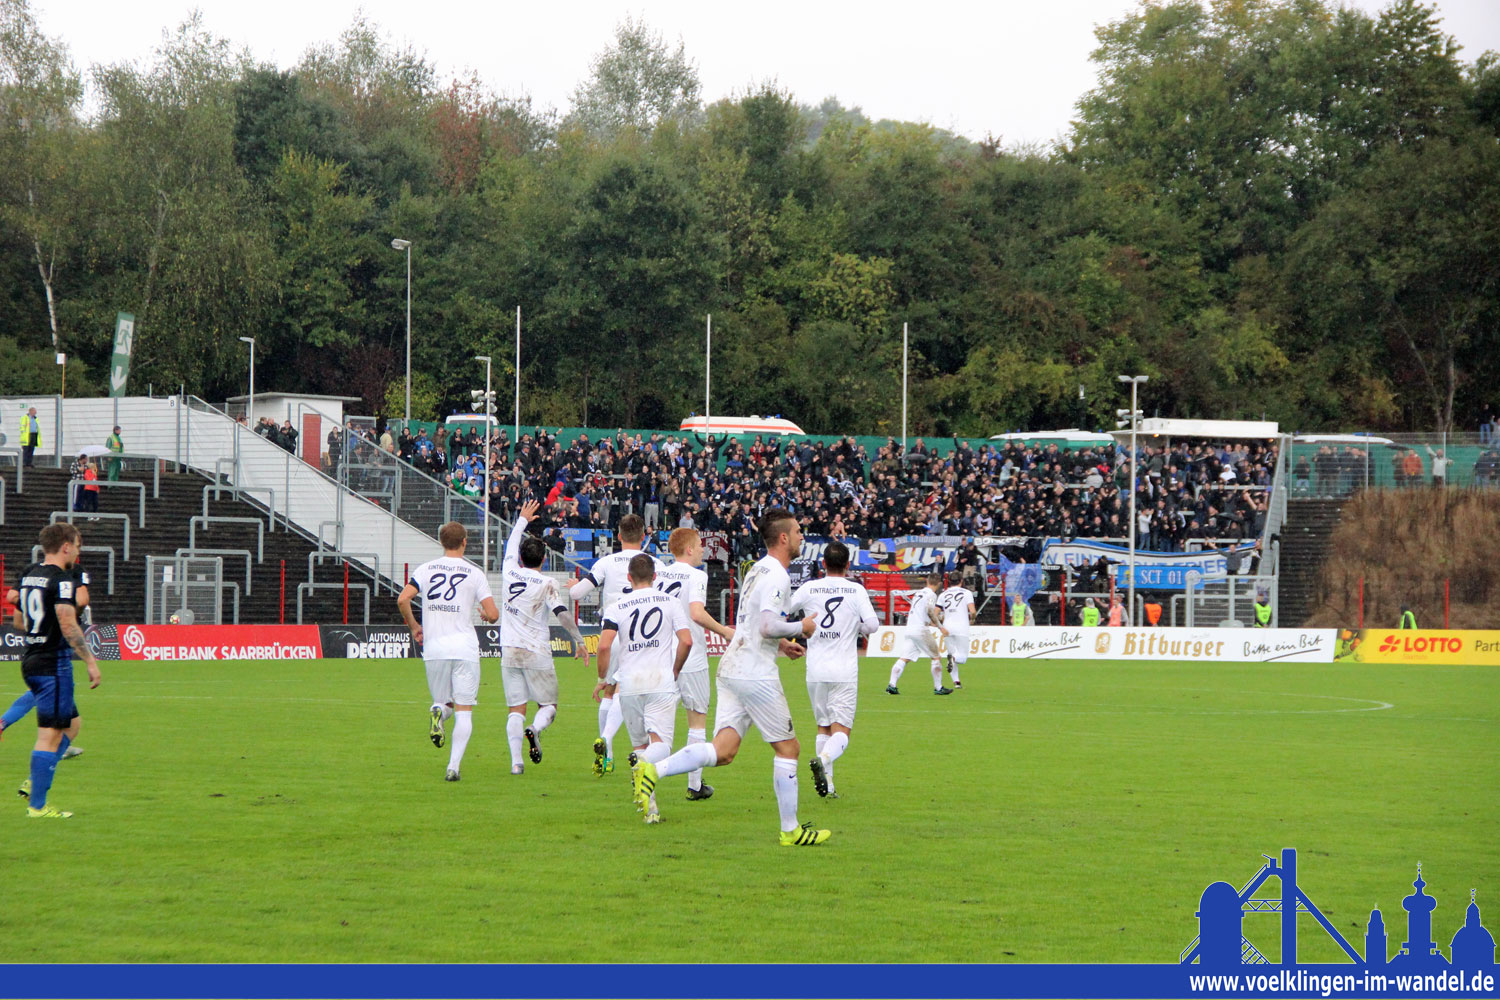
<point x="637" y="83"/>
<point x="39" y="146"/>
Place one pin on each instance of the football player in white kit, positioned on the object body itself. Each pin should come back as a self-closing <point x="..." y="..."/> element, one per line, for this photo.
<point x="844" y="613"/>
<point x="526" y="667"/>
<point x="611" y="577"/>
<point x="957" y="603"/>
<point x="450" y="588"/>
<point x="685" y="579"/>
<point x="918" y="640"/>
<point x="644" y="643"/>
<point x="750" y="692"/>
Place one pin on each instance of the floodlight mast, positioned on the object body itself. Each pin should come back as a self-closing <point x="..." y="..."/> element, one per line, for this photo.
<point x="1135" y="382"/>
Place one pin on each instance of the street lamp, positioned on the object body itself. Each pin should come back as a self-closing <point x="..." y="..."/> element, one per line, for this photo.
<point x="406" y="246"/>
<point x="484" y="499"/>
<point x="1136" y="381"/>
<point x="250" y="410"/>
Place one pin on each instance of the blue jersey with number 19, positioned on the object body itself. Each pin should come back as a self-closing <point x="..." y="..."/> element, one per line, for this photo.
<point x="450" y="589"/>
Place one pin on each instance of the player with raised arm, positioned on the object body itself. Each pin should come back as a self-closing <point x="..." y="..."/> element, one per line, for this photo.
<point x="450" y="587"/>
<point x="526" y="667"/>
<point x="684" y="578"/>
<point x="917" y="641"/>
<point x="644" y="643"/>
<point x="27" y="701"/>
<point x="47" y="615"/>
<point x="957" y="604"/>
<point x="610" y="575"/>
<point x="844" y="613"/>
<point x="750" y="692"/>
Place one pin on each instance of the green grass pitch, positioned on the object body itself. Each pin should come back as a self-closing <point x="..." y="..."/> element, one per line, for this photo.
<point x="1049" y="812"/>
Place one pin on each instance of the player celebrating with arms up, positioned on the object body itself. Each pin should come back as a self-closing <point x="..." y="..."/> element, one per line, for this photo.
<point x="450" y="588"/>
<point x="844" y="613"/>
<point x="750" y="692"/>
<point x="526" y="667"/>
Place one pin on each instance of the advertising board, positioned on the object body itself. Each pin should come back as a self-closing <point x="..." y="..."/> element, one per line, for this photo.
<point x="1419" y="646"/>
<point x="1217" y="645"/>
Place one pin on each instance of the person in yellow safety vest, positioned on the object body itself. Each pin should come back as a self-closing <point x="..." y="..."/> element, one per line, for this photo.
<point x="1262" y="612"/>
<point x="1020" y="613"/>
<point x="1090" y="614"/>
<point x="116" y="446"/>
<point x="1408" y="618"/>
<point x="1116" y="613"/>
<point x="31" y="435"/>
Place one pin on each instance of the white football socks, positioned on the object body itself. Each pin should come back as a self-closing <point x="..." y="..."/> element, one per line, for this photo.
<point x="896" y="669"/>
<point x="937" y="676"/>
<point x="543" y="718"/>
<point x="953" y="670"/>
<point x="784" y="781"/>
<point x="463" y="726"/>
<point x="837" y="744"/>
<point x="655" y="753"/>
<point x="446" y="710"/>
<point x="692" y="757"/>
<point x="612" y="724"/>
<point x="695" y="778"/>
<point x="515" y="731"/>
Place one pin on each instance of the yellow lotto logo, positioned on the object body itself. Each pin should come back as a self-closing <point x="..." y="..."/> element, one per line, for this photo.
<point x="1428" y="646"/>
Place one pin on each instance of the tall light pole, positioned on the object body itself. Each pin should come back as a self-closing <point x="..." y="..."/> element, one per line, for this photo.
<point x="484" y="499"/>
<point x="708" y="381"/>
<point x="250" y="410"/>
<point x="517" y="442"/>
<point x="903" y="395"/>
<point x="1135" y="382"/>
<point x="406" y="245"/>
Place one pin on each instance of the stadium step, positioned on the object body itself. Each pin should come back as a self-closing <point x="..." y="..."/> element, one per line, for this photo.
<point x="167" y="530"/>
<point x="1305" y="537"/>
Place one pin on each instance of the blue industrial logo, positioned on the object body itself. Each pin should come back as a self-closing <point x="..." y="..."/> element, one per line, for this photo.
<point x="1222" y="945"/>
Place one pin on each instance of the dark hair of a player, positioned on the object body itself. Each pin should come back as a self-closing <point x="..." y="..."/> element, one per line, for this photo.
<point x="632" y="529"/>
<point x="452" y="536"/>
<point x="642" y="569"/>
<point x="772" y="524"/>
<point x="836" y="557"/>
<point x="54" y="536"/>
<point x="533" y="551"/>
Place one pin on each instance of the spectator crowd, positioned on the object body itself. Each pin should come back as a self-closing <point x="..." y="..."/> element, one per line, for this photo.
<point x="1185" y="492"/>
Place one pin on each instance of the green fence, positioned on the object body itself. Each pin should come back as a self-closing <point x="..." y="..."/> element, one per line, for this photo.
<point x="1337" y="465"/>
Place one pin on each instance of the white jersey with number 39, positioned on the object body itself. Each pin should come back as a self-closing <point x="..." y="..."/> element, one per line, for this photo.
<point x="450" y="590"/>
<point x="955" y="602"/>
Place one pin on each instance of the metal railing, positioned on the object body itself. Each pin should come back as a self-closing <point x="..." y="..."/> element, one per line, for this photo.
<point x="1338" y="465"/>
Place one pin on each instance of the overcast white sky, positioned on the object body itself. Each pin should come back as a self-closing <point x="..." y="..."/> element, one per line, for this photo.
<point x="1012" y="68"/>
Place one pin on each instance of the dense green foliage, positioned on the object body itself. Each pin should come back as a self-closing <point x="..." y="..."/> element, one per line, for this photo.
<point x="1280" y="208"/>
<point x="1058" y="812"/>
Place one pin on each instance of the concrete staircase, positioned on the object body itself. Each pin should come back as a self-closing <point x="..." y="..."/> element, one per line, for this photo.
<point x="165" y="531"/>
<point x="1304" y="549"/>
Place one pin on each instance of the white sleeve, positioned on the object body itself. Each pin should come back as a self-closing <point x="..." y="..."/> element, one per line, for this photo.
<point x="794" y="603"/>
<point x="513" y="543"/>
<point x="482" y="587"/>
<point x="698" y="591"/>
<point x="868" y="620"/>
<point x="772" y="627"/>
<point x="680" y="619"/>
<point x="583" y="588"/>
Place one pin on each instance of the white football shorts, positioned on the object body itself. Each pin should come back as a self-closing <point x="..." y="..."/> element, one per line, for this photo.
<point x="958" y="646"/>
<point x="649" y="713"/>
<point x="527" y="675"/>
<point x="760" y="703"/>
<point x="692" y="688"/>
<point x="918" y="645"/>
<point x="453" y="682"/>
<point x="833" y="702"/>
